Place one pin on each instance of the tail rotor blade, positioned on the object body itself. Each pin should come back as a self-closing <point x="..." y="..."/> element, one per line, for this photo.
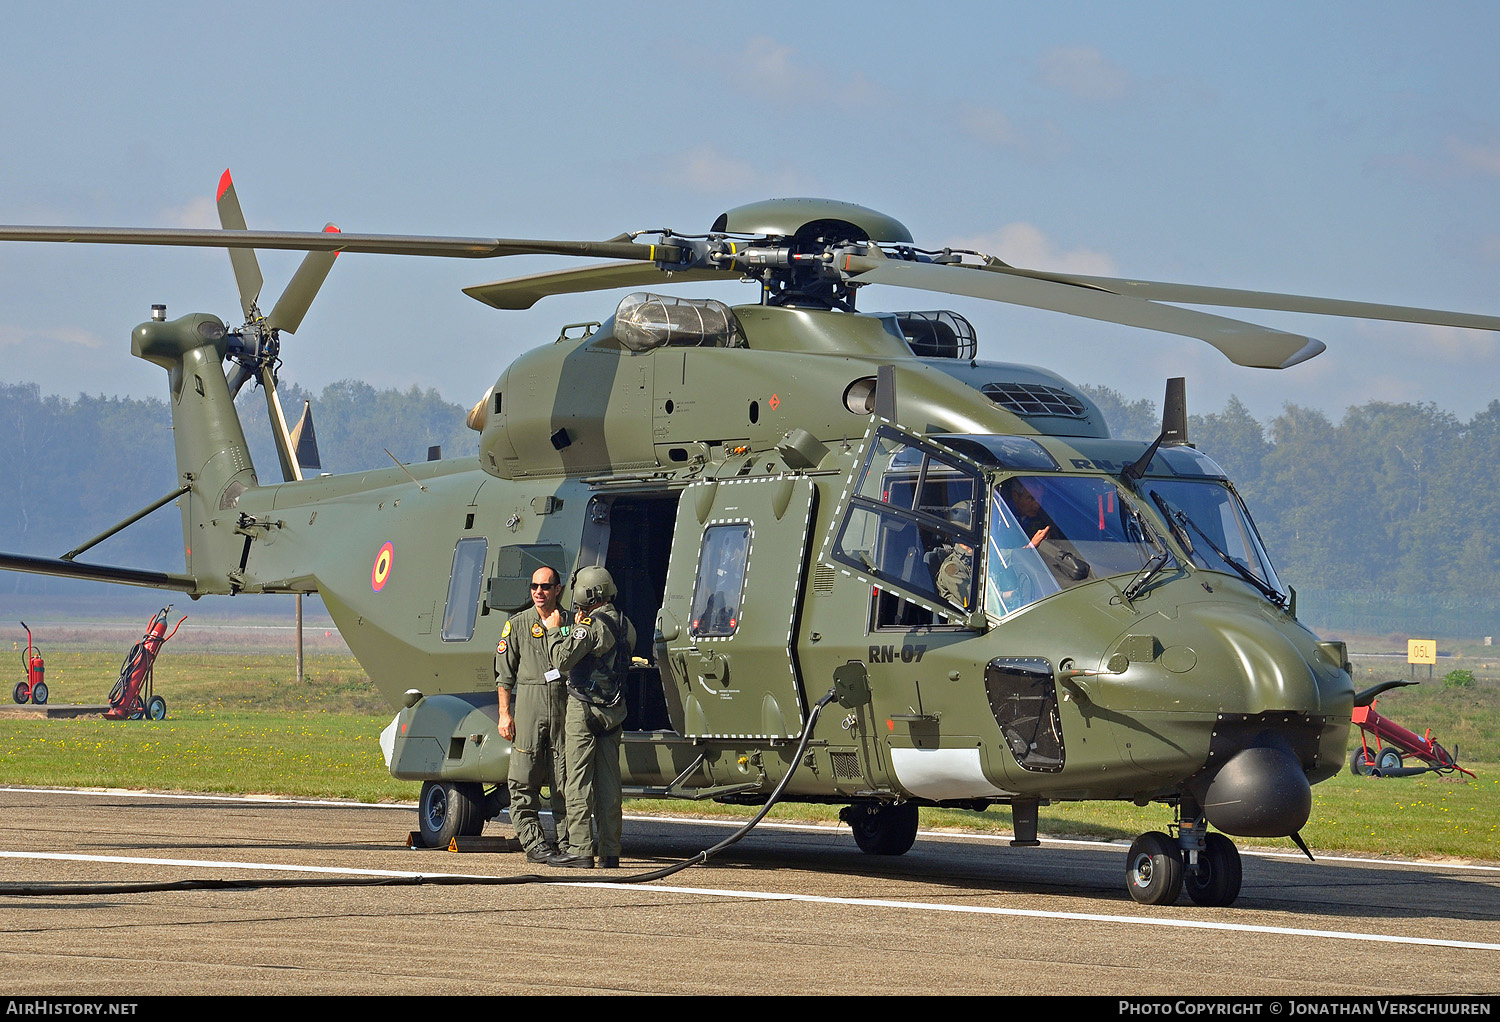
<point x="285" y="450"/>
<point x="294" y="301"/>
<point x="305" y="441"/>
<point x="237" y="378"/>
<point x="246" y="266"/>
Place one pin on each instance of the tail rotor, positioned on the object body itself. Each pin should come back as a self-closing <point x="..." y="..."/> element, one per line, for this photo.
<point x="255" y="349"/>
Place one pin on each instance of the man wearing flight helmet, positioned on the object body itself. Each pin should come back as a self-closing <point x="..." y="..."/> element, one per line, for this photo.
<point x="594" y="656"/>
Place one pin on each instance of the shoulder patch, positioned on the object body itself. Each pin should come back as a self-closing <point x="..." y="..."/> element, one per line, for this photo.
<point x="585" y="620"/>
<point x="505" y="632"/>
<point x="536" y="630"/>
<point x="500" y="646"/>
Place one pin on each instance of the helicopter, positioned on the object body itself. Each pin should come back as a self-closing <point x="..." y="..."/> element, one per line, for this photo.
<point x="1011" y="606"/>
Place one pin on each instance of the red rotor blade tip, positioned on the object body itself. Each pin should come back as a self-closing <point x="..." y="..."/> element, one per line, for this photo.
<point x="225" y="183"/>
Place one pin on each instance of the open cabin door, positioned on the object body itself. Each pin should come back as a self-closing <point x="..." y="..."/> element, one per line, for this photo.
<point x="910" y="523"/>
<point x="729" y="618"/>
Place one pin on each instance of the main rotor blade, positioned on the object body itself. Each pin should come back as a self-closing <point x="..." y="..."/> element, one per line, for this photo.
<point x="246" y="266"/>
<point x="1228" y="297"/>
<point x="524" y="292"/>
<point x="1243" y="343"/>
<point x="317" y="241"/>
<point x="295" y="300"/>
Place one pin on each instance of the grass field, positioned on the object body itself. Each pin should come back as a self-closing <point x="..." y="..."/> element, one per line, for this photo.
<point x="239" y="722"/>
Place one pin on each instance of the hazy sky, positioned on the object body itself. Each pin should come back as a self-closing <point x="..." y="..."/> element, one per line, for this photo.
<point x="1347" y="150"/>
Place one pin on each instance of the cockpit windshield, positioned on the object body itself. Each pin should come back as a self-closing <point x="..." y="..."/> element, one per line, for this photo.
<point x="939" y="540"/>
<point x="1049" y="533"/>
<point x="1212" y="525"/>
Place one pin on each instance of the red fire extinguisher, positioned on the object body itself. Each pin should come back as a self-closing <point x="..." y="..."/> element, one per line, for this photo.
<point x="34" y="688"/>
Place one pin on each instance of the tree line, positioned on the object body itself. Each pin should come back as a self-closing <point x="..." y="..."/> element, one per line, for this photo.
<point x="1396" y="501"/>
<point x="69" y="469"/>
<point x="1390" y="498"/>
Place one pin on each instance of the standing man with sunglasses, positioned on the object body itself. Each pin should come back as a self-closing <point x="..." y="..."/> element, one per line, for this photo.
<point x="533" y="707"/>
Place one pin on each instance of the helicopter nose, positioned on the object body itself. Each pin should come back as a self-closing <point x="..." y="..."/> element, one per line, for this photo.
<point x="1283" y="712"/>
<point x="1275" y="671"/>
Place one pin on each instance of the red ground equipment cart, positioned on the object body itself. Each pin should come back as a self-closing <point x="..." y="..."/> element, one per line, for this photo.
<point x="34" y="688"/>
<point x="132" y="696"/>
<point x="1386" y="755"/>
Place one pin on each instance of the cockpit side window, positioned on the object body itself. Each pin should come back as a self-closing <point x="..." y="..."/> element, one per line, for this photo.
<point x="912" y="527"/>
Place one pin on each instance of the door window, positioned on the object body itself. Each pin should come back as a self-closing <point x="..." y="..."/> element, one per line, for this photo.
<point x="463" y="589"/>
<point x="721" y="580"/>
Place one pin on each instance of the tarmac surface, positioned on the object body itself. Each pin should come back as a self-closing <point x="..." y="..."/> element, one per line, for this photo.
<point x="788" y="910"/>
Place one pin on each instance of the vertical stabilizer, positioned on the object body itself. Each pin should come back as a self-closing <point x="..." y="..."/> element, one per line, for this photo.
<point x="213" y="459"/>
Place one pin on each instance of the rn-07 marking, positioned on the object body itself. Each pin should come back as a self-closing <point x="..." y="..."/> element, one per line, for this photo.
<point x="910" y="654"/>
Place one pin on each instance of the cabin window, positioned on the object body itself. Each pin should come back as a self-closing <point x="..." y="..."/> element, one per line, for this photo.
<point x="722" y="564"/>
<point x="463" y="589"/>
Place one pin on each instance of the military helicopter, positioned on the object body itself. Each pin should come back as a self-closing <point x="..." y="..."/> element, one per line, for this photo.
<point x="794" y="496"/>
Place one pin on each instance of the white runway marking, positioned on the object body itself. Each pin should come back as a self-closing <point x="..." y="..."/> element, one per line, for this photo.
<point x="920" y="906"/>
<point x="407" y="807"/>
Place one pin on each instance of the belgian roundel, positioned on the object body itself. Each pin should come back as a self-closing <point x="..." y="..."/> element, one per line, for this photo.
<point x="381" y="572"/>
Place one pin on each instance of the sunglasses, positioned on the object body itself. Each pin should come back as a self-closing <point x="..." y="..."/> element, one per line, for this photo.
<point x="544" y="585"/>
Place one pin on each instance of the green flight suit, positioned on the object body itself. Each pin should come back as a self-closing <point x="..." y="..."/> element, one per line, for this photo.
<point x="595" y="717"/>
<point x="955" y="576"/>
<point x="522" y="662"/>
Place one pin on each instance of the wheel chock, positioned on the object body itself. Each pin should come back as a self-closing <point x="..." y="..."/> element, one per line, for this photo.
<point x="499" y="843"/>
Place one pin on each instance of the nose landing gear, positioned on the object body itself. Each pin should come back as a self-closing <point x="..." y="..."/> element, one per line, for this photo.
<point x="1158" y="868"/>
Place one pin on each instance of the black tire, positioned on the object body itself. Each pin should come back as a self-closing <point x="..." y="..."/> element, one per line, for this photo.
<point x="137" y="711"/>
<point x="39" y="693"/>
<point x="156" y="708"/>
<point x="1359" y="766"/>
<point x="1216" y="881"/>
<point x="1154" y="869"/>
<point x="1388" y="759"/>
<point x="446" y="811"/>
<point x="474" y="795"/>
<point x="882" y="828"/>
<point x="21" y="693"/>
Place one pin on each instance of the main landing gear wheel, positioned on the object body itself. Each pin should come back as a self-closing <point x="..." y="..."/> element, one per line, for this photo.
<point x="21" y="693"/>
<point x="882" y="828"/>
<point x="156" y="708"/>
<point x="448" y="810"/>
<point x="1154" y="869"/>
<point x="1216" y="881"/>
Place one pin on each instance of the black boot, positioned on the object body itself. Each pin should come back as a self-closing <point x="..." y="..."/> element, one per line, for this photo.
<point x="571" y="861"/>
<point x="542" y="852"/>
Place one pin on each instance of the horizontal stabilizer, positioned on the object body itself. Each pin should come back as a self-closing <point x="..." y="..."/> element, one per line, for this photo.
<point x="98" y="572"/>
